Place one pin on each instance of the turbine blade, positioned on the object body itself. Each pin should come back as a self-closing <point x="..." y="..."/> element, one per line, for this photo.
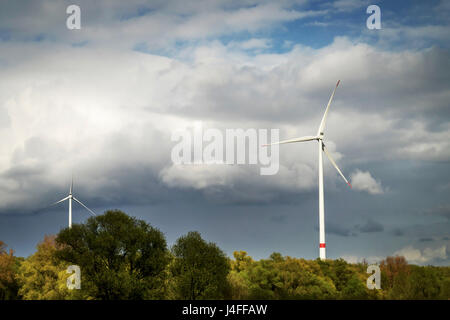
<point x="324" y="119"/>
<point x="300" y="139"/>
<point x="59" y="201"/>
<point x="92" y="212"/>
<point x="335" y="165"/>
<point x="71" y="185"/>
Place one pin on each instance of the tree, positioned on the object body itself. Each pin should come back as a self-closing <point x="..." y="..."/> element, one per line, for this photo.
<point x="242" y="261"/>
<point x="8" y="270"/>
<point x="392" y="268"/>
<point x="278" y="278"/>
<point x="42" y="277"/>
<point x="354" y="289"/>
<point x="445" y="289"/>
<point x="238" y="277"/>
<point x="349" y="279"/>
<point x="199" y="269"/>
<point x="239" y="285"/>
<point x="395" y="274"/>
<point x="423" y="283"/>
<point x="341" y="274"/>
<point x="120" y="257"/>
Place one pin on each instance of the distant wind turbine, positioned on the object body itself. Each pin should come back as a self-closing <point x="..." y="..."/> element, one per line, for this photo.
<point x="319" y="137"/>
<point x="70" y="197"/>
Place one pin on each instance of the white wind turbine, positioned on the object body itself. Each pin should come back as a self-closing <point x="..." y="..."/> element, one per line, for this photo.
<point x="319" y="138"/>
<point x="70" y="197"/>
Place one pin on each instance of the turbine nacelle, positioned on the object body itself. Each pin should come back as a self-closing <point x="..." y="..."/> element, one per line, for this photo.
<point x="71" y="198"/>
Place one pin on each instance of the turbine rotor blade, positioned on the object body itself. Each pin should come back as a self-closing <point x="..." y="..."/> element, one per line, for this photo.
<point x="59" y="201"/>
<point x="300" y="139"/>
<point x="335" y="165"/>
<point x="324" y="118"/>
<point x="90" y="211"/>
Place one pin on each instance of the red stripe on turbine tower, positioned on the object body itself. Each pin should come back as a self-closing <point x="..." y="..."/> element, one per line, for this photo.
<point x="322" y="245"/>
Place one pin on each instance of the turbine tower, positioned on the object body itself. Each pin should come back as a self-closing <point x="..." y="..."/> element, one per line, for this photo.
<point x="70" y="197"/>
<point x="319" y="137"/>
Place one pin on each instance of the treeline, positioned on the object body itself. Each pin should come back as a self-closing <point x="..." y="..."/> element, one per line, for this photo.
<point x="121" y="257"/>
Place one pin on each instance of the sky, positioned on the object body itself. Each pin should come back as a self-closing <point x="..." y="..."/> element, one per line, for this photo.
<point x="102" y="103"/>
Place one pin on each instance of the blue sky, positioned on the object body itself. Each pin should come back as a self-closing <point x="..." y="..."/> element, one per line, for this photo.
<point x="103" y="101"/>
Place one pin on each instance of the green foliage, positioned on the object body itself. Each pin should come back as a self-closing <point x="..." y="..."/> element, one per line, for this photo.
<point x="43" y="277"/>
<point x="279" y="278"/>
<point x="199" y="269"/>
<point x="403" y="281"/>
<point x="9" y="266"/>
<point x="120" y="257"/>
<point x="423" y="283"/>
<point x="291" y="278"/>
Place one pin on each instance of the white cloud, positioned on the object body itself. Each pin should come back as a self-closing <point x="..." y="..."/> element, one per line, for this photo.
<point x="413" y="255"/>
<point x="92" y="110"/>
<point x="363" y="181"/>
<point x="251" y="44"/>
<point x="65" y="113"/>
<point x="199" y="176"/>
<point x="157" y="23"/>
<point x="358" y="259"/>
<point x="349" y="5"/>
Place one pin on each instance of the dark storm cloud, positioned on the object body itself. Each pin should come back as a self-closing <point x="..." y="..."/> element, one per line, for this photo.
<point x="398" y="232"/>
<point x="426" y="232"/>
<point x="442" y="210"/>
<point x="370" y="226"/>
<point x="278" y="218"/>
<point x="199" y="89"/>
<point x="336" y="229"/>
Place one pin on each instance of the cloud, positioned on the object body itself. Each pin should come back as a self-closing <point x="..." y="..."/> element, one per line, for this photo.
<point x="108" y="114"/>
<point x="349" y="5"/>
<point x="363" y="181"/>
<point x="422" y="232"/>
<point x="398" y="232"/>
<point x="426" y="239"/>
<point x="358" y="259"/>
<point x="199" y="176"/>
<point x="438" y="255"/>
<point x="279" y="218"/>
<point x="371" y="226"/>
<point x="442" y="210"/>
<point x="115" y="23"/>
<point x="86" y="114"/>
<point x="427" y="255"/>
<point x="251" y="44"/>
<point x="336" y="229"/>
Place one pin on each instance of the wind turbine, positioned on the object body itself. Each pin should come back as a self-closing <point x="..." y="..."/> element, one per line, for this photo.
<point x="319" y="137"/>
<point x="70" y="197"/>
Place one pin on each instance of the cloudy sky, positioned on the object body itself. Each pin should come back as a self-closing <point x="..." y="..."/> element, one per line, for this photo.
<point x="102" y="103"/>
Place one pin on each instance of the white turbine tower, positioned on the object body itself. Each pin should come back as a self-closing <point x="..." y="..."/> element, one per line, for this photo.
<point x="319" y="137"/>
<point x="70" y="197"/>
